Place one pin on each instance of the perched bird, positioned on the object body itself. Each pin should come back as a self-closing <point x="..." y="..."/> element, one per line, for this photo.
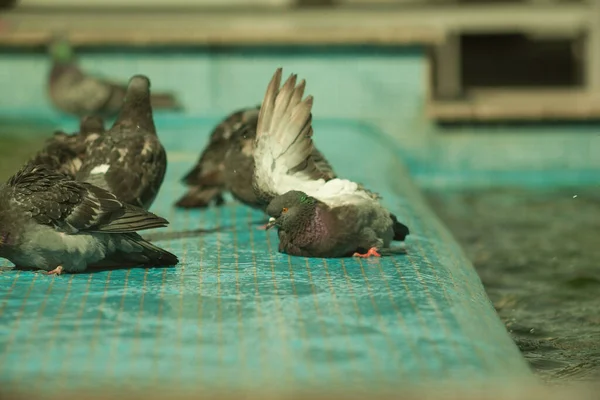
<point x="63" y="152"/>
<point x="227" y="164"/>
<point x="74" y="92"/>
<point x="206" y="181"/>
<point x="128" y="160"/>
<point x="314" y="217"/>
<point x="51" y="222"/>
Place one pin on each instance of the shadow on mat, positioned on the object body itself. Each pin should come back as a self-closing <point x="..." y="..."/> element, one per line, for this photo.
<point x="183" y="234"/>
<point x="86" y="271"/>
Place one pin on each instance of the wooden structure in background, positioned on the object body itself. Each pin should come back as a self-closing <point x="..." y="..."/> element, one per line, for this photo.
<point x="488" y="59"/>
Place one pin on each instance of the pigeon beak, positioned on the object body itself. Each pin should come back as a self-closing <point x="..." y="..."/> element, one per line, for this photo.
<point x="271" y="223"/>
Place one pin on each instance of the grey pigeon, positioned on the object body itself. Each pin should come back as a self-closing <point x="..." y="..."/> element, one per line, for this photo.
<point x="51" y="222"/>
<point x="227" y="164"/>
<point x="314" y="217"/>
<point x="63" y="152"/>
<point x="74" y="92"/>
<point x="128" y="160"/>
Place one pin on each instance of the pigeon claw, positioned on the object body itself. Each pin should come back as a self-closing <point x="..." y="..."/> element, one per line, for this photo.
<point x="56" y="271"/>
<point x="372" y="252"/>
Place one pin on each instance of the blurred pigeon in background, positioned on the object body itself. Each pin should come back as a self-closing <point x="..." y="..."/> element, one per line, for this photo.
<point x="314" y="217"/>
<point x="65" y="153"/>
<point x="51" y="222"/>
<point x="128" y="160"/>
<point x="74" y="92"/>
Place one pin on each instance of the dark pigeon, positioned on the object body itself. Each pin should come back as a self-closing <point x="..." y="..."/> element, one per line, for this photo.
<point x="227" y="164"/>
<point x="74" y="92"/>
<point x="128" y="160"/>
<point x="64" y="153"/>
<point x="206" y="181"/>
<point x="314" y="217"/>
<point x="51" y="222"/>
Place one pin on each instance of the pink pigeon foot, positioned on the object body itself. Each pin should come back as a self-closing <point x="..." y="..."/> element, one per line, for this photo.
<point x="372" y="252"/>
<point x="56" y="271"/>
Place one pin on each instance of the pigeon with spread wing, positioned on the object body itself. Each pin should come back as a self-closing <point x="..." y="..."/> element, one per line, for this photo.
<point x="314" y="217"/>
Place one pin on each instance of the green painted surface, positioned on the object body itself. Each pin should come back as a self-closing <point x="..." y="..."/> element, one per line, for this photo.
<point x="239" y="314"/>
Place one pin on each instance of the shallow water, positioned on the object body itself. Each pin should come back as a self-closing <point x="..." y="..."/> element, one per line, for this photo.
<point x="538" y="255"/>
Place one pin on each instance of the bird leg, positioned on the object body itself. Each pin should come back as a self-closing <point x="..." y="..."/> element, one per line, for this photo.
<point x="56" y="271"/>
<point x="372" y="252"/>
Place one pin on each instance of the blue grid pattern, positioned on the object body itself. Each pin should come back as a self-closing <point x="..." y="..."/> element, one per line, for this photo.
<point x="236" y="313"/>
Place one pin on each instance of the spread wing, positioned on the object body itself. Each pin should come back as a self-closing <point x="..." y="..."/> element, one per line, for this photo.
<point x="70" y="206"/>
<point x="284" y="149"/>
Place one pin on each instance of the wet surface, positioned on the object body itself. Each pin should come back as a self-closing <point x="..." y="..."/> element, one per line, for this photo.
<point x="538" y="255"/>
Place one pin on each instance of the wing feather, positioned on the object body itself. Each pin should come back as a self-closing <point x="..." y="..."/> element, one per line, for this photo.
<point x="70" y="206"/>
<point x="285" y="154"/>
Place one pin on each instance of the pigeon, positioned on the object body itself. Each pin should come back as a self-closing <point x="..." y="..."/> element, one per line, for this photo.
<point x="314" y="217"/>
<point x="63" y="152"/>
<point x="74" y="92"/>
<point x="206" y="180"/>
<point x="128" y="160"/>
<point x="227" y="164"/>
<point x="52" y="222"/>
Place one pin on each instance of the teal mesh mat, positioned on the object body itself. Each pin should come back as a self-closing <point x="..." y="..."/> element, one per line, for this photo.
<point x="237" y="313"/>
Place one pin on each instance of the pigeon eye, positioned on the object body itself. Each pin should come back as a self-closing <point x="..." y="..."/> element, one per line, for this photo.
<point x="284" y="209"/>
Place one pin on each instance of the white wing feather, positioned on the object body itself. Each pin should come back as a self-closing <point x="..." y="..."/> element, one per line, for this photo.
<point x="284" y="142"/>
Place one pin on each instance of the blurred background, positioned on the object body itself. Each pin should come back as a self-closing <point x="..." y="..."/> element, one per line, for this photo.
<point x="493" y="104"/>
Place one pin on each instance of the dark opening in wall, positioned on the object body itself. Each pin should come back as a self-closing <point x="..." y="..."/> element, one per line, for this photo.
<point x="516" y="60"/>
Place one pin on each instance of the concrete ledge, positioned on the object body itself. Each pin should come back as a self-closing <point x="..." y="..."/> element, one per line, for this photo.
<point x="237" y="314"/>
<point x="343" y="25"/>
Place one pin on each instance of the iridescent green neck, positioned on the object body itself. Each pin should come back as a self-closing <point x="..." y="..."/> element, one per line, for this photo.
<point x="61" y="52"/>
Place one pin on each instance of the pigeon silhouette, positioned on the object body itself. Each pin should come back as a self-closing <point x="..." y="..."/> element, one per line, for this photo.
<point x="314" y="217"/>
<point x="51" y="222"/>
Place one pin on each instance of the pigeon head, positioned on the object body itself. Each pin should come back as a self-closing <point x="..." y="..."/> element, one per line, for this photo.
<point x="139" y="84"/>
<point x="136" y="112"/>
<point x="91" y="124"/>
<point x="290" y="210"/>
<point x="60" y="136"/>
<point x="60" y="50"/>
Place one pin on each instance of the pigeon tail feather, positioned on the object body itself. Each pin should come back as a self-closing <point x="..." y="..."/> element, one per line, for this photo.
<point x="156" y="256"/>
<point x="401" y="231"/>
